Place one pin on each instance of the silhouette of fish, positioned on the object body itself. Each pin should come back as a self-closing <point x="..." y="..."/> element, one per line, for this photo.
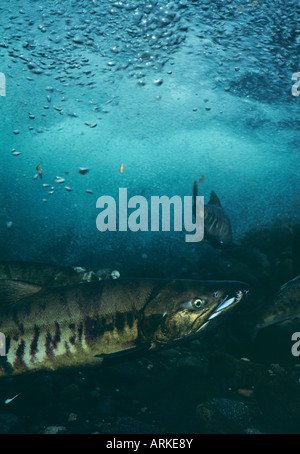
<point x="285" y="308"/>
<point x="217" y="225"/>
<point x="44" y="274"/>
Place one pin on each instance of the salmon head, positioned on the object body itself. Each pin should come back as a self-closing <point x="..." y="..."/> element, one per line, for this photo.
<point x="185" y="307"/>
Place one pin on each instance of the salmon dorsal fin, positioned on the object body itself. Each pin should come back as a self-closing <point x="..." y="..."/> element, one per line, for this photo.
<point x="214" y="199"/>
<point x="13" y="291"/>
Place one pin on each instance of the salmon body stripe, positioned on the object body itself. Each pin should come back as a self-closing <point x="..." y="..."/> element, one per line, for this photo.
<point x="73" y="325"/>
<point x="64" y="326"/>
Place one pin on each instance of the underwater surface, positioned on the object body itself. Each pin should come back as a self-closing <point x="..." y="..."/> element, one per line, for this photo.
<point x="152" y="96"/>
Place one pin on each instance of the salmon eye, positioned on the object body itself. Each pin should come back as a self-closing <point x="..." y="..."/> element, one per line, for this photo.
<point x="198" y="303"/>
<point x="216" y="294"/>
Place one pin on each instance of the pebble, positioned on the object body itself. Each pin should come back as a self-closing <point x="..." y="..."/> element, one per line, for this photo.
<point x="16" y="132"/>
<point x="115" y="274"/>
<point x="252" y="431"/>
<point x="7" y="421"/>
<point x="72" y="417"/>
<point x="218" y="408"/>
<point x="53" y="430"/>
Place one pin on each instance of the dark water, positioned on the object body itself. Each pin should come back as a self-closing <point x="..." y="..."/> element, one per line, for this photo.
<point x="171" y="91"/>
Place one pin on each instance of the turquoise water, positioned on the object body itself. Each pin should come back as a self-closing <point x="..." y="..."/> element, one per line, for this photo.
<point x="224" y="110"/>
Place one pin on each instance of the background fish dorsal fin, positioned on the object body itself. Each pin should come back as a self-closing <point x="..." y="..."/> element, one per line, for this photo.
<point x="13" y="291"/>
<point x="214" y="199"/>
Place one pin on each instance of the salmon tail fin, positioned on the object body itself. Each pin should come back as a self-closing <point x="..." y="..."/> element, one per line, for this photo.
<point x="13" y="291"/>
<point x="195" y="193"/>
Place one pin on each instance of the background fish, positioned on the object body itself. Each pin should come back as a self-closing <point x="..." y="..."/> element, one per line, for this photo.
<point x="74" y="325"/>
<point x="45" y="275"/>
<point x="217" y="225"/>
<point x="285" y="310"/>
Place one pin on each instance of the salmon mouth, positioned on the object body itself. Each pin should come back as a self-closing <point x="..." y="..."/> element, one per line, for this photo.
<point x="227" y="302"/>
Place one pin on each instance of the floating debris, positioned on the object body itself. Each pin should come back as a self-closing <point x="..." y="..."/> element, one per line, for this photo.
<point x="121" y="168"/>
<point x="45" y="185"/>
<point x="158" y="82"/>
<point x="89" y="191"/>
<point x="16" y="132"/>
<point x="9" y="225"/>
<point x="83" y="170"/>
<point x="60" y="180"/>
<point x="68" y="189"/>
<point x="44" y="200"/>
<point x="39" y="170"/>
<point x="16" y="153"/>
<point x="201" y="178"/>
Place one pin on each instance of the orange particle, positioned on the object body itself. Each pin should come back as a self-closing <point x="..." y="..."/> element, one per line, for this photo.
<point x="121" y="168"/>
<point x="245" y="392"/>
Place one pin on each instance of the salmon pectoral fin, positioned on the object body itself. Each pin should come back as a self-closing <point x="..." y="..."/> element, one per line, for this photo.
<point x="13" y="291"/>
